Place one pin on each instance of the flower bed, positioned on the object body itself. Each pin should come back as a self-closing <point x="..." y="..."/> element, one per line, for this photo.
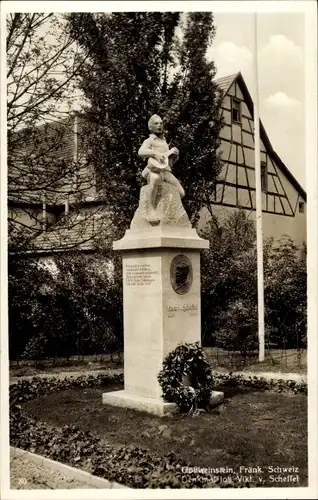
<point x="129" y="465"/>
<point x="132" y="466"/>
<point x="27" y="389"/>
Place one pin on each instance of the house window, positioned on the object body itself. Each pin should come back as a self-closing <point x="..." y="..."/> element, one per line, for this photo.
<point x="301" y="207"/>
<point x="264" y="176"/>
<point x="236" y="110"/>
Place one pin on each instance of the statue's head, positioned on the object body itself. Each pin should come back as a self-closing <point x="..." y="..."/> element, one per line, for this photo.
<point x="155" y="124"/>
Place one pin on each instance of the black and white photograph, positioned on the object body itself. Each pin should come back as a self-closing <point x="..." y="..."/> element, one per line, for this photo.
<point x="159" y="249"/>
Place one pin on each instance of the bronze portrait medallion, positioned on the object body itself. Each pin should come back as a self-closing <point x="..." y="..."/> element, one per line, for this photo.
<point x="181" y="274"/>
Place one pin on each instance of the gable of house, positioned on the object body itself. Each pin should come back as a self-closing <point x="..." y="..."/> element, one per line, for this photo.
<point x="282" y="196"/>
<point x="236" y="185"/>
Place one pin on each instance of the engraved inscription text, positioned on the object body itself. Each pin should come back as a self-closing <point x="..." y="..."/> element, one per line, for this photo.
<point x="140" y="274"/>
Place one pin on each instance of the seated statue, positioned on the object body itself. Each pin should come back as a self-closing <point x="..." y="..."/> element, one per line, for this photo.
<point x="160" y="160"/>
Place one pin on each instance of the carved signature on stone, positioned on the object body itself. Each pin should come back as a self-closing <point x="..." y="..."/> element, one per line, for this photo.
<point x="184" y="307"/>
<point x="192" y="309"/>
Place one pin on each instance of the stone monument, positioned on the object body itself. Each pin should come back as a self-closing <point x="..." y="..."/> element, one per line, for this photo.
<point x="161" y="279"/>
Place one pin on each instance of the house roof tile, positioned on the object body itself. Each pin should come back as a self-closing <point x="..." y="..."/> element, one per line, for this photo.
<point x="225" y="82"/>
<point x="77" y="230"/>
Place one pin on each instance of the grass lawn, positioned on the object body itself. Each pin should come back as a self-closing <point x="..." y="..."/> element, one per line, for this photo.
<point x="250" y="429"/>
<point x="291" y="361"/>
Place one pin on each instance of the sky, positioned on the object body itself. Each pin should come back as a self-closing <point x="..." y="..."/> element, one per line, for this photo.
<point x="281" y="74"/>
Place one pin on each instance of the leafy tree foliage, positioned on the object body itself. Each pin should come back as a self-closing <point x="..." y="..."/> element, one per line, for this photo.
<point x="78" y="308"/>
<point x="228" y="268"/>
<point x="139" y="67"/>
<point x="25" y="292"/>
<point x="74" y="308"/>
<point x="286" y="294"/>
<point x="238" y="327"/>
<point x="229" y="288"/>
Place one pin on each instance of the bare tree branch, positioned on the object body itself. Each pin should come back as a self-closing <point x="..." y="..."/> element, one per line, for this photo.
<point x="26" y="34"/>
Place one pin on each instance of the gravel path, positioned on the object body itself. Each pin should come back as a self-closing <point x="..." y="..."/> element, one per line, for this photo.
<point x="26" y="475"/>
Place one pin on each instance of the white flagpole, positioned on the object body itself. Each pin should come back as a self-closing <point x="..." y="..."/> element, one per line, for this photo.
<point x="259" y="222"/>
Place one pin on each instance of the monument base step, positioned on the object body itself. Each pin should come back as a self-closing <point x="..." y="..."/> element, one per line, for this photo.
<point x="155" y="406"/>
<point x="126" y="400"/>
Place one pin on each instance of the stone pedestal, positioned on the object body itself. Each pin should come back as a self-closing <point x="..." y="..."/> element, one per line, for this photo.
<point x="161" y="308"/>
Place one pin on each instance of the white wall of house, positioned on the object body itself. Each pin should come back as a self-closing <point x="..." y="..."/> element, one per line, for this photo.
<point x="273" y="226"/>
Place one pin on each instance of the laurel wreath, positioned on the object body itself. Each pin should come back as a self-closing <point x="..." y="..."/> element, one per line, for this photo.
<point x="187" y="359"/>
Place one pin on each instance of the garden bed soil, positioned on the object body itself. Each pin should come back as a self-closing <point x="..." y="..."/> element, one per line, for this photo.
<point x="264" y="429"/>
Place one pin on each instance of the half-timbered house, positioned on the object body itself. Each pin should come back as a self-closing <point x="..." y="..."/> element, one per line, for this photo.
<point x="283" y="198"/>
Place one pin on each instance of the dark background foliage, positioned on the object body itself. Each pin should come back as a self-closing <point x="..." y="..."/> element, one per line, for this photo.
<point x="76" y="310"/>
